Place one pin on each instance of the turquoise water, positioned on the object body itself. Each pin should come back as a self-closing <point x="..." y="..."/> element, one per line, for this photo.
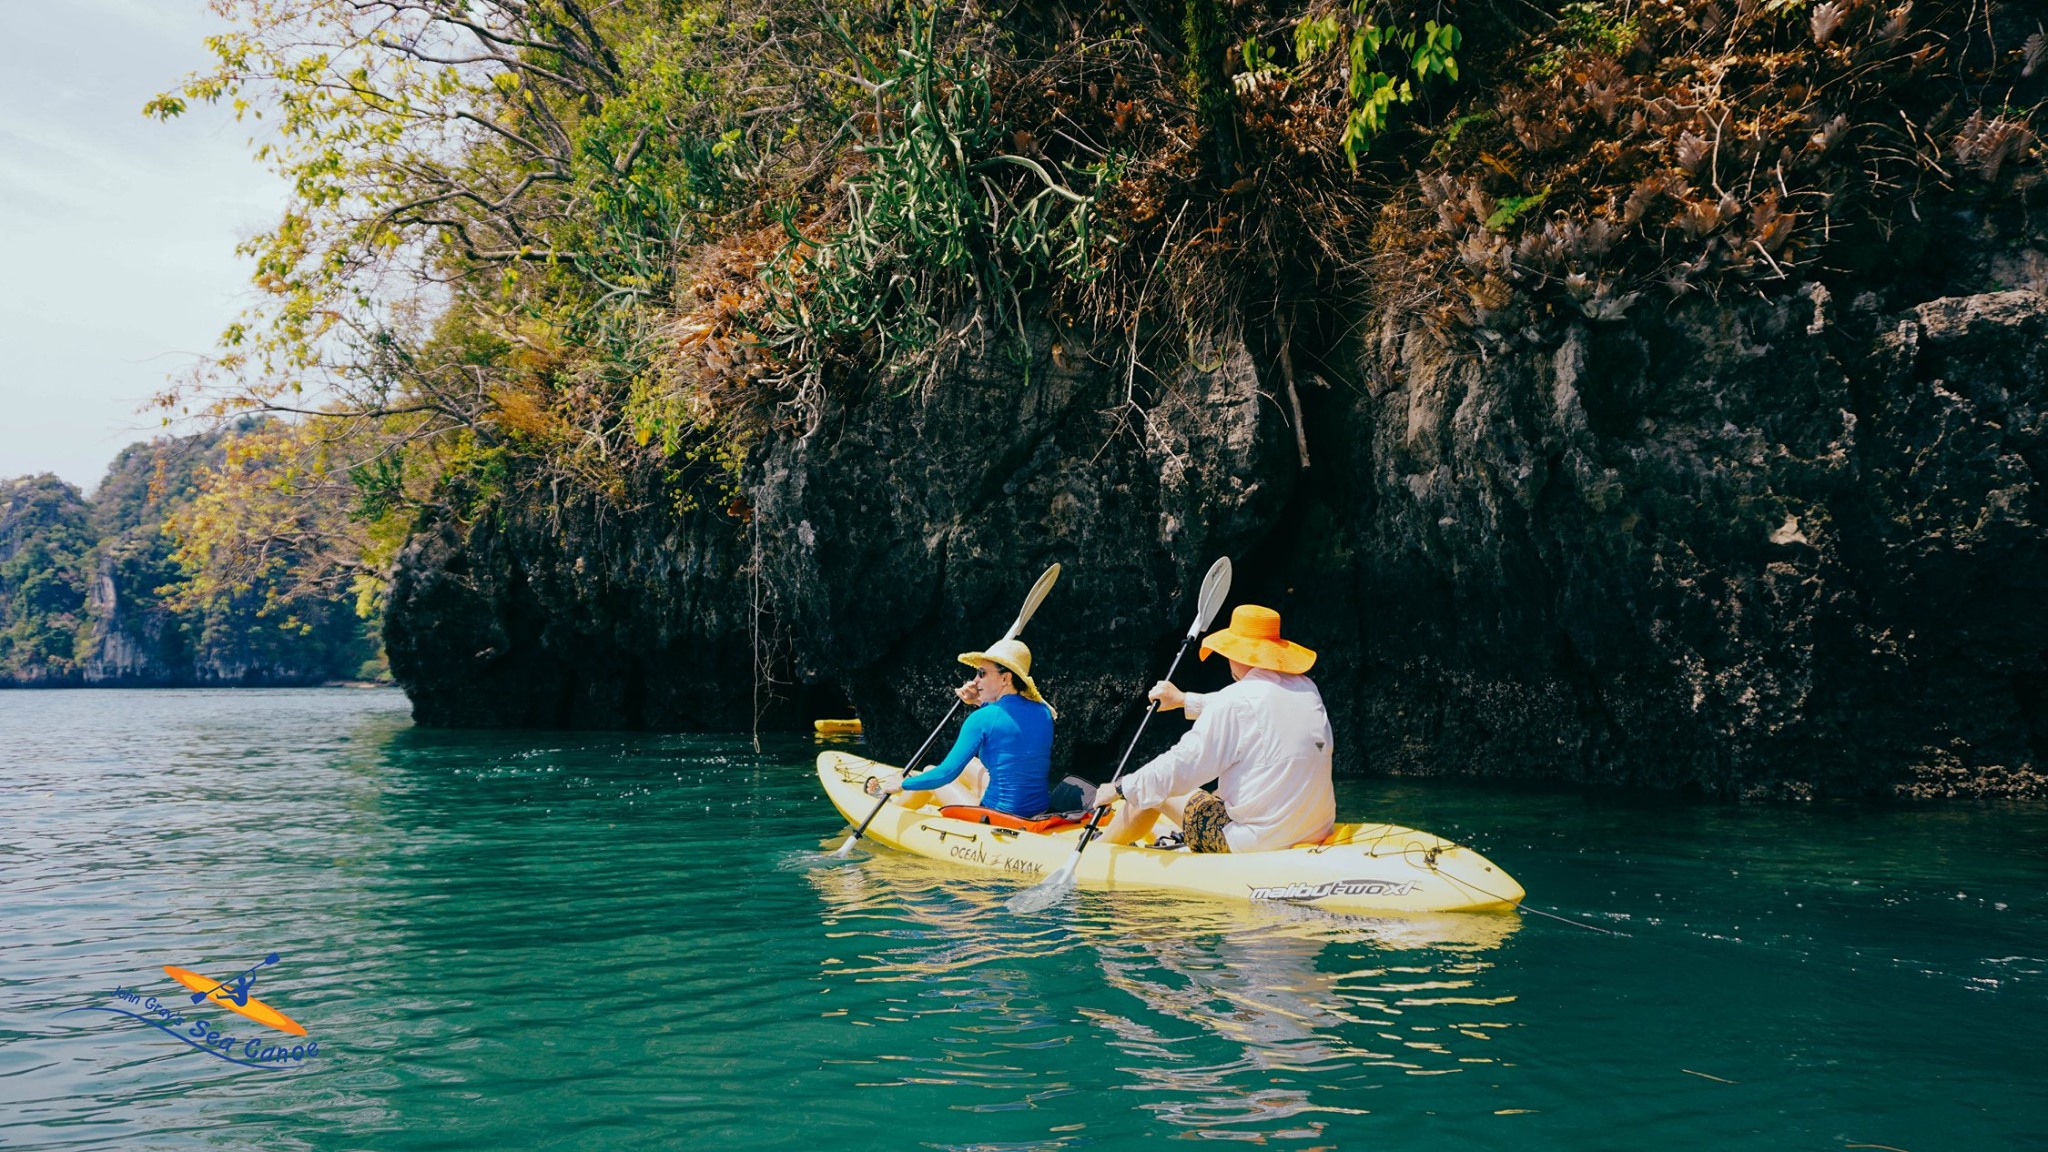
<point x="578" y="941"/>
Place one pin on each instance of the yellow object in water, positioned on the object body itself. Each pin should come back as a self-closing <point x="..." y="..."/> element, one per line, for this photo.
<point x="837" y="727"/>
<point x="1359" y="868"/>
<point x="221" y="996"/>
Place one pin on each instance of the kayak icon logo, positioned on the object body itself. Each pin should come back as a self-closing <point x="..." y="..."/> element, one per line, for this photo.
<point x="235" y="994"/>
<point x="237" y="999"/>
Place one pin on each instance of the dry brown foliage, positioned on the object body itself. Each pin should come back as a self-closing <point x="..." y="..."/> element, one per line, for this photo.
<point x="1744" y="150"/>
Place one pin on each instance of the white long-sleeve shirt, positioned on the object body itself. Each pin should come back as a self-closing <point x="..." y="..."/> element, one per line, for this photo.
<point x="1266" y="741"/>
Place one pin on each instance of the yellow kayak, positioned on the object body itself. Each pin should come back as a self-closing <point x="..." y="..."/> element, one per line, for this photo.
<point x="1359" y="868"/>
<point x="220" y="997"/>
<point x="836" y="727"/>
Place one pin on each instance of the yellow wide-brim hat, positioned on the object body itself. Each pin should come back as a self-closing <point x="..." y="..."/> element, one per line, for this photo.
<point x="1011" y="654"/>
<point x="1254" y="638"/>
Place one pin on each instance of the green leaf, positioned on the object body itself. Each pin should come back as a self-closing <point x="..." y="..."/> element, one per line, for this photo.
<point x="1512" y="207"/>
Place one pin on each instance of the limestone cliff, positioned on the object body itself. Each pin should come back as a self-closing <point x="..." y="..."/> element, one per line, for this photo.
<point x="1756" y="550"/>
<point x="584" y="614"/>
<point x="1666" y="412"/>
<point x="1766" y="549"/>
<point x="905" y="528"/>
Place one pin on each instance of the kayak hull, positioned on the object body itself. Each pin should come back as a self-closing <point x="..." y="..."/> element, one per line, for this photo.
<point x="1362" y="868"/>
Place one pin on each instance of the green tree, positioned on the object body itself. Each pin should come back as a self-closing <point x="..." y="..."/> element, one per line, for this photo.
<point x="100" y="590"/>
<point x="490" y="200"/>
<point x="45" y="576"/>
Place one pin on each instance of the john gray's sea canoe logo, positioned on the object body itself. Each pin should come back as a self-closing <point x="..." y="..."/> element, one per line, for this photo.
<point x="1302" y="893"/>
<point x="172" y="1015"/>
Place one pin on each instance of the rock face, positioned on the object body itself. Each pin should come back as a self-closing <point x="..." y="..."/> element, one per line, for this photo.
<point x="906" y="528"/>
<point x="1764" y="548"/>
<point x="137" y="641"/>
<point x="1753" y="550"/>
<point x="578" y="615"/>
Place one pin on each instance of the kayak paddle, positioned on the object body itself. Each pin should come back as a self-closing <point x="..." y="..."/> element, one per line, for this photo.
<point x="1045" y="582"/>
<point x="1054" y="888"/>
<point x="198" y="997"/>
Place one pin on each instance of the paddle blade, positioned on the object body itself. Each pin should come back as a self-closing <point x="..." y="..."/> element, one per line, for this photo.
<point x="846" y="849"/>
<point x="1046" y="892"/>
<point x="1046" y="580"/>
<point x="1215" y="590"/>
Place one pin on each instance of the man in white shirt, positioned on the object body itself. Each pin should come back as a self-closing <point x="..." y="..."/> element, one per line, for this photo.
<point x="1265" y="740"/>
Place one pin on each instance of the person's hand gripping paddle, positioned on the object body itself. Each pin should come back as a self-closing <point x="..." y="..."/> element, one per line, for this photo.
<point x="1054" y="888"/>
<point x="1045" y="582"/>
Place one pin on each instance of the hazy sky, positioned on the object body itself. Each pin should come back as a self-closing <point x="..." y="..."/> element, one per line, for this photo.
<point x="119" y="232"/>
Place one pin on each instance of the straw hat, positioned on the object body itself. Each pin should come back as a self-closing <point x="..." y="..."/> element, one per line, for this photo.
<point x="1254" y="638"/>
<point x="1013" y="655"/>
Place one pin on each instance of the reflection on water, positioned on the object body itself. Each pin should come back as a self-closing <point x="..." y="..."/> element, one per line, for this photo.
<point x="1249" y="1020"/>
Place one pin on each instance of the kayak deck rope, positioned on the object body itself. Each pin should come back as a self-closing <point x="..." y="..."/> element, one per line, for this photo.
<point x="1372" y="849"/>
<point x="1429" y="858"/>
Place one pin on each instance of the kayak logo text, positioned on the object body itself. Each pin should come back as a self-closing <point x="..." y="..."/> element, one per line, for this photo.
<point x="256" y="1044"/>
<point x="1302" y="893"/>
<point x="974" y="855"/>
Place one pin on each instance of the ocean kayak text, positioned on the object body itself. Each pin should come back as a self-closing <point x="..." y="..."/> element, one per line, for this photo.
<point x="974" y="854"/>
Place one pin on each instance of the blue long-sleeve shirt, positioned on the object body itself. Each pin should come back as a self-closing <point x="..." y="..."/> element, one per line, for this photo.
<point x="1013" y="738"/>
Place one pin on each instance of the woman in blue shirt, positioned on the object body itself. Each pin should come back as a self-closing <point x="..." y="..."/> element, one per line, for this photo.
<point x="1003" y="757"/>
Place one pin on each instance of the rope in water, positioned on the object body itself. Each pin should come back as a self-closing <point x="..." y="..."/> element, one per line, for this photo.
<point x="1386" y="831"/>
<point x="1569" y="920"/>
<point x="1524" y="908"/>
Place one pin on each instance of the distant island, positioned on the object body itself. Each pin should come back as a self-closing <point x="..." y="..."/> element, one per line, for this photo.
<point x="93" y="593"/>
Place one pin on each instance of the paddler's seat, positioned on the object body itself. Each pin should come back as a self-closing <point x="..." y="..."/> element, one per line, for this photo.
<point x="1048" y="822"/>
<point x="1340" y="834"/>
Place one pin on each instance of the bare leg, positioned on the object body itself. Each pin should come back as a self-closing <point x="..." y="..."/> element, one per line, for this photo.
<point x="916" y="799"/>
<point x="968" y="788"/>
<point x="1128" y="826"/>
<point x="1176" y="808"/>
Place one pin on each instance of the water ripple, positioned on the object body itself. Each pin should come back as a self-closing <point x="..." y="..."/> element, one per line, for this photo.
<point x="608" y="941"/>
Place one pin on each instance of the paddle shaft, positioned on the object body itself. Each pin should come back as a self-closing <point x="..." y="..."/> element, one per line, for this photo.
<point x="199" y="996"/>
<point x="908" y="769"/>
<point x="1042" y="895"/>
<point x="1095" y="817"/>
